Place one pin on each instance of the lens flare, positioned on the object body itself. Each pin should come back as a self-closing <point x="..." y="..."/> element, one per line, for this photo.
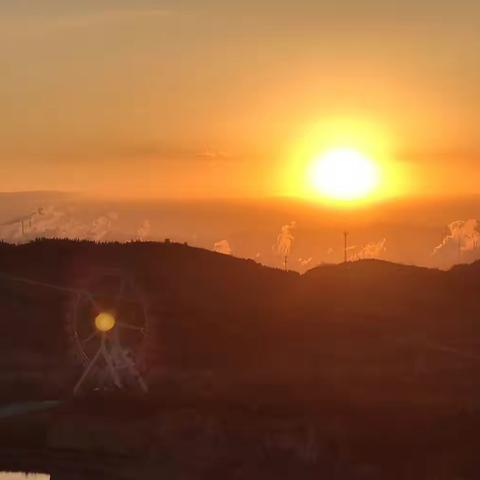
<point x="104" y="322"/>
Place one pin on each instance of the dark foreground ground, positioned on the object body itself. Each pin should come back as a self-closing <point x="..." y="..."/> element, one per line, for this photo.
<point x="128" y="438"/>
<point x="367" y="370"/>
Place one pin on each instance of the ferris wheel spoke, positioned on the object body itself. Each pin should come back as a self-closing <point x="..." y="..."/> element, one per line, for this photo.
<point x="91" y="299"/>
<point x="90" y="337"/>
<point x="120" y="292"/>
<point x="129" y="326"/>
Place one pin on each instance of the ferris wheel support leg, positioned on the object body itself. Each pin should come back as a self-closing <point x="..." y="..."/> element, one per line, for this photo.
<point x="111" y="367"/>
<point x="142" y="383"/>
<point x="86" y="372"/>
<point x="134" y="372"/>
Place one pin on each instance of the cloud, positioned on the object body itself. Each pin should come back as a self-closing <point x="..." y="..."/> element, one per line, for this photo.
<point x="53" y="223"/>
<point x="214" y="158"/>
<point x="24" y="220"/>
<point x="284" y="244"/>
<point x="114" y="15"/>
<point x="101" y="227"/>
<point x="304" y="262"/>
<point x="462" y="237"/>
<point x="222" y="246"/>
<point x="211" y="154"/>
<point x="40" y="23"/>
<point x="369" y="250"/>
<point x="144" y="231"/>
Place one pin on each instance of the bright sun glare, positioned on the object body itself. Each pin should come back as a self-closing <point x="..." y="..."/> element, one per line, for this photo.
<point x="344" y="174"/>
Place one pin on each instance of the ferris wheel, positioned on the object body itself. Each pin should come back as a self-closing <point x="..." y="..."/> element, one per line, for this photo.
<point x="108" y="325"/>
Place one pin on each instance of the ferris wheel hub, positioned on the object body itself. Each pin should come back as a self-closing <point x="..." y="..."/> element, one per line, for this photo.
<point x="104" y="322"/>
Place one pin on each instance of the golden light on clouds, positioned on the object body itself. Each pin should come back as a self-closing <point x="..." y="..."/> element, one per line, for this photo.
<point x="343" y="161"/>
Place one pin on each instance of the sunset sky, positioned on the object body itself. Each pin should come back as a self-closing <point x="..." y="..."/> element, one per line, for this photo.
<point x="236" y="99"/>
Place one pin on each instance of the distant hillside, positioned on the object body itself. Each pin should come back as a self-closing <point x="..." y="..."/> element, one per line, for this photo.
<point x="369" y="331"/>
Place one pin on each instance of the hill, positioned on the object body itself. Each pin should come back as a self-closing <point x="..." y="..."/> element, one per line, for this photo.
<point x="365" y="370"/>
<point x="368" y="330"/>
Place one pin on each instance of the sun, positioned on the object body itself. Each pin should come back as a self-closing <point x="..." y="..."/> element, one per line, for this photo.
<point x="344" y="174"/>
<point x="343" y="162"/>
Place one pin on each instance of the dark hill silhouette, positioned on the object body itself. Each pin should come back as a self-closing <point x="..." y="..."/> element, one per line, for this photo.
<point x="365" y="370"/>
<point x="368" y="330"/>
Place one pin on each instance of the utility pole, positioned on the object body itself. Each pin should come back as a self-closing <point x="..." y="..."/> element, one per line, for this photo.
<point x="345" y="246"/>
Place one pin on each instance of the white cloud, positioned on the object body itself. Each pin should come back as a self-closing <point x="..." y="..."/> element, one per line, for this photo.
<point x="53" y="223"/>
<point x="222" y="246"/>
<point x="284" y="244"/>
<point x="144" y="231"/>
<point x="304" y="262"/>
<point x="369" y="250"/>
<point x="463" y="236"/>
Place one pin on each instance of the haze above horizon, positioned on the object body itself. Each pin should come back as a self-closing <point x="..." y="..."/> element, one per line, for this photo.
<point x="243" y="100"/>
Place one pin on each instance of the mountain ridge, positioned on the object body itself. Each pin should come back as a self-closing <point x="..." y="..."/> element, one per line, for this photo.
<point x="357" y="327"/>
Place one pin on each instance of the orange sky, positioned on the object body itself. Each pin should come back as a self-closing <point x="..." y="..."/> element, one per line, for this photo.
<point x="214" y="98"/>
